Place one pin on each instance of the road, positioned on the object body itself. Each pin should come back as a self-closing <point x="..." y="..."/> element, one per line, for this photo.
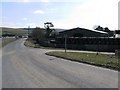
<point x="24" y="67"/>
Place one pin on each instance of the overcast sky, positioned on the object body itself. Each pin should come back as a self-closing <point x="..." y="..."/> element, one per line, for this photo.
<point x="62" y="13"/>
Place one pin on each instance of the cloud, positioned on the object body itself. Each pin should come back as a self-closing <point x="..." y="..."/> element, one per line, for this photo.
<point x="100" y="12"/>
<point x="45" y="1"/>
<point x="15" y="0"/>
<point x="39" y="12"/>
<point x="33" y="25"/>
<point x="90" y="13"/>
<point x="2" y="18"/>
<point x="24" y="19"/>
<point x="11" y="24"/>
<point x="26" y="1"/>
<point x="18" y="24"/>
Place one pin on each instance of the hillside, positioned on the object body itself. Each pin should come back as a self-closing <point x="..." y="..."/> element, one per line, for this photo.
<point x="12" y="31"/>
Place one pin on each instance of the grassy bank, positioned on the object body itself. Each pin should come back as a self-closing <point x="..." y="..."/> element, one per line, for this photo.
<point x="6" y="41"/>
<point x="102" y="60"/>
<point x="29" y="43"/>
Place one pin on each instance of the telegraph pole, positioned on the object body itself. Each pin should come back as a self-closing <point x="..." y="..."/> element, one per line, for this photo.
<point x="65" y="43"/>
<point x="28" y="31"/>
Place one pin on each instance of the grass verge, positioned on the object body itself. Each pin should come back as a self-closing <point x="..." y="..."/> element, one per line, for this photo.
<point x="29" y="43"/>
<point x="102" y="60"/>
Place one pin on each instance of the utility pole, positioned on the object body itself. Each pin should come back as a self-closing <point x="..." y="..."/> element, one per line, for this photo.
<point x="65" y="43"/>
<point x="28" y="31"/>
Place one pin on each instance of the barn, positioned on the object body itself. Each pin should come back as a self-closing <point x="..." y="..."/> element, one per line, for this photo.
<point x="81" y="32"/>
<point x="84" y="39"/>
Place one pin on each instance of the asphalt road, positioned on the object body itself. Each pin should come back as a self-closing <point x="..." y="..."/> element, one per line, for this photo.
<point x="24" y="67"/>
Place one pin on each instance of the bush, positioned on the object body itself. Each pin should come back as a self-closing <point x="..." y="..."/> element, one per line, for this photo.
<point x="38" y="35"/>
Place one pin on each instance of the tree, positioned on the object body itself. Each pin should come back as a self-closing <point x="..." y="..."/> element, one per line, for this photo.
<point x="38" y="35"/>
<point x="54" y="33"/>
<point x="99" y="28"/>
<point x="106" y="29"/>
<point x="47" y="26"/>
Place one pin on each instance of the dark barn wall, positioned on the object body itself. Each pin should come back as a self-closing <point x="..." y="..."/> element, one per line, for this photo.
<point x="92" y="44"/>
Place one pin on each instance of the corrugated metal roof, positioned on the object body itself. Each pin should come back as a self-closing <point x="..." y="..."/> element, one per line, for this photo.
<point x="63" y="30"/>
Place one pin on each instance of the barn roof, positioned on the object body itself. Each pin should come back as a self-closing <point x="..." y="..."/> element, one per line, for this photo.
<point x="83" y="29"/>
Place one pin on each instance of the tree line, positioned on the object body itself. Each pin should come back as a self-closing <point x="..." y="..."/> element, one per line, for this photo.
<point x="42" y="35"/>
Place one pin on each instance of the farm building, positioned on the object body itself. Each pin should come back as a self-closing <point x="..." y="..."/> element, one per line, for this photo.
<point x="117" y="33"/>
<point x="89" y="43"/>
<point x="84" y="39"/>
<point x="81" y="32"/>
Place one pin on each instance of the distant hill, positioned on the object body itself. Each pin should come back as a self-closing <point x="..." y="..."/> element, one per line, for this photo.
<point x="56" y="29"/>
<point x="21" y="31"/>
<point x="59" y="30"/>
<point x="27" y="29"/>
<point x="13" y="31"/>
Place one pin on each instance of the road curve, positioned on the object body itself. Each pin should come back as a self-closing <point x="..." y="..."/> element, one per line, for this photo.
<point x="24" y="67"/>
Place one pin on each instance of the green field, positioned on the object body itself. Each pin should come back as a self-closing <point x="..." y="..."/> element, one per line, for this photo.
<point x="13" y="31"/>
<point x="103" y="60"/>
